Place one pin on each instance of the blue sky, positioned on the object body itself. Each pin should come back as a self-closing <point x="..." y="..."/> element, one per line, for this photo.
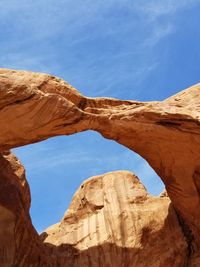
<point x="141" y="50"/>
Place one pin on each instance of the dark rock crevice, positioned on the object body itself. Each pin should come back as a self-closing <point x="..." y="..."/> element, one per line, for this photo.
<point x="189" y="238"/>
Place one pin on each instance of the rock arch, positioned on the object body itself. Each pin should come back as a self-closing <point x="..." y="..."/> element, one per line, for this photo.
<point x="34" y="107"/>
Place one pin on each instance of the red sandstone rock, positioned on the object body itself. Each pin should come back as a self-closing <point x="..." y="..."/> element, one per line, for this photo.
<point x="35" y="106"/>
<point x="112" y="221"/>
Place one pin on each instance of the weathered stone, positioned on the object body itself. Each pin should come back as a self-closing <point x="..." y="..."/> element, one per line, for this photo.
<point x="34" y="107"/>
<point x="19" y="242"/>
<point x="112" y="221"/>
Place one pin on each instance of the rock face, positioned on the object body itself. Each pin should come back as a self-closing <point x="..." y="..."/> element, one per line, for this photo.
<point x="112" y="221"/>
<point x="19" y="242"/>
<point x="34" y="107"/>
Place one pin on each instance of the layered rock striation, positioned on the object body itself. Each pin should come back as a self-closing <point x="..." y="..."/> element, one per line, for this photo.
<point x="113" y="221"/>
<point x="34" y="107"/>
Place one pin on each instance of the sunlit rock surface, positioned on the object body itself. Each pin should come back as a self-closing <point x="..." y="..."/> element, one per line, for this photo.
<point x="36" y="106"/>
<point x="112" y="221"/>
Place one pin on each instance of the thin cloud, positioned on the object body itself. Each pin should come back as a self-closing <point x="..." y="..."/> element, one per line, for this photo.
<point x="42" y="158"/>
<point x="127" y="59"/>
<point x="158" y="34"/>
<point x="26" y="62"/>
<point x="156" y="8"/>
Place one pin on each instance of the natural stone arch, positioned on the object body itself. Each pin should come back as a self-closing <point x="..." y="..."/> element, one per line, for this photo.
<point x="165" y="133"/>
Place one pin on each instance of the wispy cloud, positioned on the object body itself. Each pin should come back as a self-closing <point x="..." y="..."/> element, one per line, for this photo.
<point x="100" y="42"/>
<point x="23" y="61"/>
<point x="85" y="160"/>
<point x="154" y="9"/>
<point x="158" y="34"/>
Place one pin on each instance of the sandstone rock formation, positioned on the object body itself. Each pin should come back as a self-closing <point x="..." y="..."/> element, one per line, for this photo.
<point x="112" y="221"/>
<point x="19" y="242"/>
<point x="35" y="106"/>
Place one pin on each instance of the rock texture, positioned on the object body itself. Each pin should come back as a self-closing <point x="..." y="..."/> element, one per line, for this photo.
<point x="112" y="221"/>
<point x="19" y="242"/>
<point x="36" y="106"/>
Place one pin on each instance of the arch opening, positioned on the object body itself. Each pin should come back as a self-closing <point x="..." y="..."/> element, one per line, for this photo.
<point x="55" y="168"/>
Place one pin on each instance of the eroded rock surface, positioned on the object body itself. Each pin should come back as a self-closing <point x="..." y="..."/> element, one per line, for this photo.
<point x="112" y="221"/>
<point x="19" y="242"/>
<point x="36" y="106"/>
